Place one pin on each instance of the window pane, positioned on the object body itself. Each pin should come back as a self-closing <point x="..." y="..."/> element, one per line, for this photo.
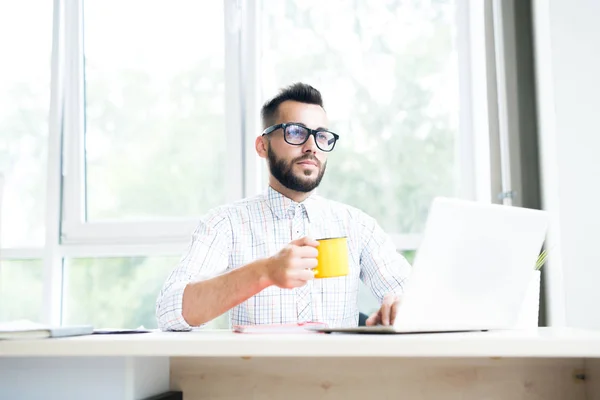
<point x="155" y="98"/>
<point x="21" y="290"/>
<point x="114" y="292"/>
<point x="26" y="47"/>
<point x="388" y="74"/>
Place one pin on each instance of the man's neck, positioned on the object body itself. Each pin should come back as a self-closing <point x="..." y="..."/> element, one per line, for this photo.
<point x="298" y="197"/>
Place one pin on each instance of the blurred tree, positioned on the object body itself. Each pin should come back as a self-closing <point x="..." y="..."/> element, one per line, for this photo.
<point x="23" y="152"/>
<point x="21" y="292"/>
<point x="114" y="292"/>
<point x="164" y="154"/>
<point x="383" y="68"/>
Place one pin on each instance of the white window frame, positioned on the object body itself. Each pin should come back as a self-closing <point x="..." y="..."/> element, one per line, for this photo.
<point x="245" y="173"/>
<point x="52" y="260"/>
<point x="476" y="170"/>
<point x="476" y="65"/>
<point x="75" y="229"/>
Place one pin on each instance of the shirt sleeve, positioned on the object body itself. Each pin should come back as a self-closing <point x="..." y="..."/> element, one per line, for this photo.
<point x="383" y="269"/>
<point x="206" y="256"/>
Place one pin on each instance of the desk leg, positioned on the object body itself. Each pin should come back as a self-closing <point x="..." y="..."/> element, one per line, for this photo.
<point x="118" y="378"/>
<point x="370" y="378"/>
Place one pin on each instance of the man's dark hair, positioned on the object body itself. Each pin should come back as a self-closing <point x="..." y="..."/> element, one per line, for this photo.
<point x="300" y="92"/>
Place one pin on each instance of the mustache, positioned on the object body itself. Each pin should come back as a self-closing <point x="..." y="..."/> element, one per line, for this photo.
<point x="307" y="157"/>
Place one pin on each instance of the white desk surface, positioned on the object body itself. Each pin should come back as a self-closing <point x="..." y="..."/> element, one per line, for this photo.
<point x="543" y="342"/>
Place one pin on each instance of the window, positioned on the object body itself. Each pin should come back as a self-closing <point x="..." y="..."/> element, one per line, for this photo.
<point x="114" y="292"/>
<point x="145" y="127"/>
<point x="153" y="112"/>
<point x="20" y="290"/>
<point x="154" y="109"/>
<point x="388" y="74"/>
<point x="24" y="101"/>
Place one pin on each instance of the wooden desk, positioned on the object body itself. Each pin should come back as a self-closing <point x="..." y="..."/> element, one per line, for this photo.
<point x="538" y="364"/>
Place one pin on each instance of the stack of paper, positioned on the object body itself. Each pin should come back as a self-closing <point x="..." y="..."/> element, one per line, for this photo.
<point x="279" y="328"/>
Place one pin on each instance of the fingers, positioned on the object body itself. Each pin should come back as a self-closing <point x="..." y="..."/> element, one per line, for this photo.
<point x="393" y="310"/>
<point x="299" y="277"/>
<point x="374" y="319"/>
<point x="386" y="308"/>
<point x="305" y="241"/>
<point x="306" y="252"/>
<point x="301" y="263"/>
<point x="306" y="263"/>
<point x="303" y="275"/>
<point x="387" y="313"/>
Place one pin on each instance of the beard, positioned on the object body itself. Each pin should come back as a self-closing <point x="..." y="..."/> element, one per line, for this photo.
<point x="283" y="172"/>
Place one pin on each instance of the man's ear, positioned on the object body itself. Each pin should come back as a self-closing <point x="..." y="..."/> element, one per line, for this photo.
<point x="260" y="144"/>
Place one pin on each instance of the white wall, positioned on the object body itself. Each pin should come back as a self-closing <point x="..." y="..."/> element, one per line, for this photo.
<point x="90" y="378"/>
<point x="567" y="50"/>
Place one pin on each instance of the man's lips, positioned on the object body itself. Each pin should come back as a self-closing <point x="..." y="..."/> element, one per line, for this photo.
<point x="308" y="162"/>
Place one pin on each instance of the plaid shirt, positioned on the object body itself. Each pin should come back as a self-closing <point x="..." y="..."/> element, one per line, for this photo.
<point x="231" y="236"/>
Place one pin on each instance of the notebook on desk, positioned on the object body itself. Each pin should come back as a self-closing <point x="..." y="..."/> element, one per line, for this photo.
<point x="23" y="329"/>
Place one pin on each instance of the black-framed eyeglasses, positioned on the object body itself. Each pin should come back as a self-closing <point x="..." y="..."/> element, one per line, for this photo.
<point x="297" y="134"/>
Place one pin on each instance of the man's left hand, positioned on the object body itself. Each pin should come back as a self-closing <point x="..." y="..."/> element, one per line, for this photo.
<point x="387" y="313"/>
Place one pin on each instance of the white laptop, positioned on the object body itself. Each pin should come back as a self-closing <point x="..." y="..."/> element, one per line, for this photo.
<point x="471" y="271"/>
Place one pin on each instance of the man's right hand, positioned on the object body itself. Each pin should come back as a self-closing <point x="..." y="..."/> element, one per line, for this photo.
<point x="293" y="265"/>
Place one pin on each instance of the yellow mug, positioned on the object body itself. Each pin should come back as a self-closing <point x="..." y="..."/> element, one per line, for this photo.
<point x="332" y="260"/>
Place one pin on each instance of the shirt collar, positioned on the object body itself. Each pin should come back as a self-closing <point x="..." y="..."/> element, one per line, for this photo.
<point x="283" y="206"/>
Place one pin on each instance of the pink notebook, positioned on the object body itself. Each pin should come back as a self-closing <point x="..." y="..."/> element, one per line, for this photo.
<point x="279" y="328"/>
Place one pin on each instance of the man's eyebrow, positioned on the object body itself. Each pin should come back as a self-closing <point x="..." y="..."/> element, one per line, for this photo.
<point x="318" y="129"/>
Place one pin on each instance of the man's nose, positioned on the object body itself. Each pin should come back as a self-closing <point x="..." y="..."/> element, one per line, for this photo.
<point x="310" y="146"/>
